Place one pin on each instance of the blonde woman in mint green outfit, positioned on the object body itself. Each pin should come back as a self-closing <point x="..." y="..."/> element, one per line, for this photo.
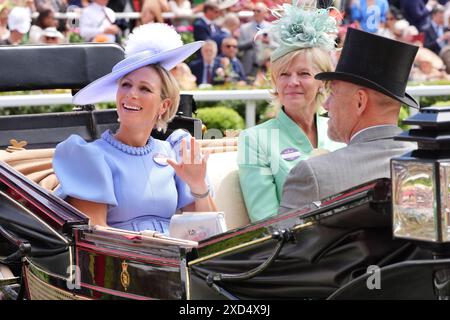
<point x="267" y="152"/>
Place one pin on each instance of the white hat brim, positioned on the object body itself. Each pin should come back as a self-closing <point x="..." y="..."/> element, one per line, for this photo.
<point x="104" y="89"/>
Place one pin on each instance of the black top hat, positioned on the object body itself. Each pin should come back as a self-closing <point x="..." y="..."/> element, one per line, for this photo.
<point x="377" y="63"/>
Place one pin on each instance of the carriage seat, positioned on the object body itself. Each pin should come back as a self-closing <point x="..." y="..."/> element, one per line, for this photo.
<point x="223" y="175"/>
<point x="222" y="171"/>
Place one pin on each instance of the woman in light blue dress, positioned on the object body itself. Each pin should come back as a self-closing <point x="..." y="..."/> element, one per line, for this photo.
<point x="128" y="179"/>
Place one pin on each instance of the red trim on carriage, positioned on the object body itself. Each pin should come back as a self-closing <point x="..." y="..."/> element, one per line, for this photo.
<point x="45" y="211"/>
<point x="284" y="217"/>
<point x="120" y="254"/>
<point x="348" y="194"/>
<point x="114" y="292"/>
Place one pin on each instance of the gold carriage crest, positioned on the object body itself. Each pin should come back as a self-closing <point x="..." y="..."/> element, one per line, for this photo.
<point x="125" y="276"/>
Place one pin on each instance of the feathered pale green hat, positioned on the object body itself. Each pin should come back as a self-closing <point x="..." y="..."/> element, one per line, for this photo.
<point x="302" y="26"/>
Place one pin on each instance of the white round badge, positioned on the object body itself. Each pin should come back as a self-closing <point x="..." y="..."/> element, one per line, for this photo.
<point x="160" y="159"/>
<point x="290" y="154"/>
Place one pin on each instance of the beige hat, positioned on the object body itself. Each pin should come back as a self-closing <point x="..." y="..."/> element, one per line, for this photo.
<point x="425" y="54"/>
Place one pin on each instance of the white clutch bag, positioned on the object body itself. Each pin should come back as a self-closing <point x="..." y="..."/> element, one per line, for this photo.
<point x="197" y="226"/>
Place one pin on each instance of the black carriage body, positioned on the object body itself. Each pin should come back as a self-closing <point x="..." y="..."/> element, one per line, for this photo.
<point x="321" y="250"/>
<point x="70" y="260"/>
<point x="128" y="267"/>
<point x="36" y="232"/>
<point x="325" y="248"/>
<point x="310" y="253"/>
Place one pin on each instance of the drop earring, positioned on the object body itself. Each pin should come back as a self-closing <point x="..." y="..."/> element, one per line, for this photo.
<point x="158" y="128"/>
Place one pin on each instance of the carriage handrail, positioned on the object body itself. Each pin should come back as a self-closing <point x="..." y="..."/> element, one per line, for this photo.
<point x="281" y="237"/>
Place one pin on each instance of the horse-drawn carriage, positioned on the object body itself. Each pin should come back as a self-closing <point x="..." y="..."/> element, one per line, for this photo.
<point x="48" y="250"/>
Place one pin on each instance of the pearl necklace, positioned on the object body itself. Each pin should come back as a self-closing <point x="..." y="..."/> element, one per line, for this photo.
<point x="108" y="137"/>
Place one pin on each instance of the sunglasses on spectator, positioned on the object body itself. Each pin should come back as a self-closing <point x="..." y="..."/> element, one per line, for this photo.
<point x="257" y="10"/>
<point x="231" y="46"/>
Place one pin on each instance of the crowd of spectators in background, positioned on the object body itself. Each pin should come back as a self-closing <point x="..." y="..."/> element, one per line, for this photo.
<point x="236" y="52"/>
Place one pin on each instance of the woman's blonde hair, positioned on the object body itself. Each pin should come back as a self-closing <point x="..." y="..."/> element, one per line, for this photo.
<point x="169" y="90"/>
<point x="321" y="62"/>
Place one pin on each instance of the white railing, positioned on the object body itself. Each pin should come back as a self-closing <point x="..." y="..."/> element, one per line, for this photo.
<point x="249" y="96"/>
<point x="75" y="15"/>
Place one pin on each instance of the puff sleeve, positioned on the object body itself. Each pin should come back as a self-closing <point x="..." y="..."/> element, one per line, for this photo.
<point x="83" y="172"/>
<point x="184" y="192"/>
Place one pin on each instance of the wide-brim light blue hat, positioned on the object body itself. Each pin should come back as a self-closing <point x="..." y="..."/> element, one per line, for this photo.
<point x="154" y="43"/>
<point x="299" y="26"/>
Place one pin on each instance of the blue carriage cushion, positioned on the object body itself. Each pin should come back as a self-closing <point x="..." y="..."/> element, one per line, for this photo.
<point x="83" y="172"/>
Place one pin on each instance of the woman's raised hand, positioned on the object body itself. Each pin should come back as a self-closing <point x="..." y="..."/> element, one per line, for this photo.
<point x="192" y="168"/>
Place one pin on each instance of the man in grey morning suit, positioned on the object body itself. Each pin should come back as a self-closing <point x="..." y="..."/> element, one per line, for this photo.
<point x="366" y="92"/>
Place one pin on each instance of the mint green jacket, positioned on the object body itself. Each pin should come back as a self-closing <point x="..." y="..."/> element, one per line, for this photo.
<point x="266" y="154"/>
